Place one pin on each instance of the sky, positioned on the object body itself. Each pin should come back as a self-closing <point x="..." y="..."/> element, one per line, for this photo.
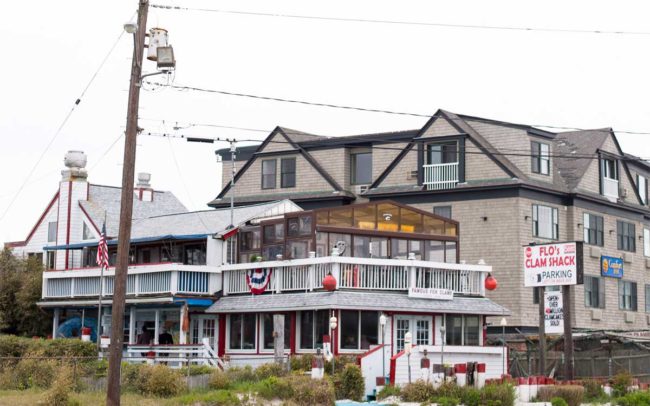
<point x="51" y="50"/>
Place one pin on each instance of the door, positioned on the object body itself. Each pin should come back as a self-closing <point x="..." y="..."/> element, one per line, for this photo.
<point x="420" y="327"/>
<point x="204" y="326"/>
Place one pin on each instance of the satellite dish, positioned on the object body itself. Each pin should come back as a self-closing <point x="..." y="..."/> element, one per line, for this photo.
<point x="341" y="246"/>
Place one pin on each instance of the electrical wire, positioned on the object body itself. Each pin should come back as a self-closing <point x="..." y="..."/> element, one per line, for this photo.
<point x="370" y="110"/>
<point x="397" y="22"/>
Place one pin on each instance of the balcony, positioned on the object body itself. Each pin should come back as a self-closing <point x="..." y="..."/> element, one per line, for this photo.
<point x="166" y="278"/>
<point x="440" y="176"/>
<point x="360" y="274"/>
<point x="610" y="188"/>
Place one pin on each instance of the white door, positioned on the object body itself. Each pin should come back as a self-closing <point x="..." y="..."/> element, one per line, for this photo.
<point x="204" y="326"/>
<point x="420" y="327"/>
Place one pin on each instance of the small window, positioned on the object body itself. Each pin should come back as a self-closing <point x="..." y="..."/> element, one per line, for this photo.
<point x="545" y="222"/>
<point x="87" y="234"/>
<point x="288" y="172"/>
<point x="609" y="168"/>
<point x="242" y="331"/>
<point x="195" y="254"/>
<point x="268" y="174"/>
<point x="646" y="242"/>
<point x="51" y="260"/>
<point x="642" y="187"/>
<point x="51" y="231"/>
<point x="594" y="292"/>
<point x="593" y="229"/>
<point x="442" y="211"/>
<point x="627" y="295"/>
<point x="540" y="158"/>
<point x="647" y="298"/>
<point x="361" y="168"/>
<point x="625" y="234"/>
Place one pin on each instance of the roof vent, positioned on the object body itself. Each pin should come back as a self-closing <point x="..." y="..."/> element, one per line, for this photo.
<point x="143" y="180"/>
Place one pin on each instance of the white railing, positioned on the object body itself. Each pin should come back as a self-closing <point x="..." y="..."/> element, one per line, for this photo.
<point x="174" y="355"/>
<point x="610" y="187"/>
<point x="440" y="176"/>
<point x="360" y="273"/>
<point x="69" y="284"/>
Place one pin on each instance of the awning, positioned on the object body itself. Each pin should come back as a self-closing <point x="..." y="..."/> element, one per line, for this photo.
<point x="380" y="301"/>
<point x="194" y="301"/>
<point x="226" y="234"/>
<point x="82" y="245"/>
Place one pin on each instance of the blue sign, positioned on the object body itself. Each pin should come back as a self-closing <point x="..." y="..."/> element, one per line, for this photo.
<point x="611" y="266"/>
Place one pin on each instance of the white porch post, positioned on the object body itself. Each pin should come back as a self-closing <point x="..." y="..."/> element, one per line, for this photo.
<point x="411" y="270"/>
<point x="132" y="325"/>
<point x="336" y="267"/>
<point x="156" y="327"/>
<point x="182" y="337"/>
<point x="55" y="322"/>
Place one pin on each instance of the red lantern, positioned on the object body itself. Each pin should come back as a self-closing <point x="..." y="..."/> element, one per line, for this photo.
<point x="329" y="283"/>
<point x="490" y="282"/>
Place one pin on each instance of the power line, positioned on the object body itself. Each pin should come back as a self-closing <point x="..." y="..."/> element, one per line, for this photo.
<point x="398" y="22"/>
<point x="363" y="109"/>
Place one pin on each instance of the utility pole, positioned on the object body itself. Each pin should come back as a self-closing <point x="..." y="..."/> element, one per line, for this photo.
<point x="126" y="210"/>
<point x="542" y="331"/>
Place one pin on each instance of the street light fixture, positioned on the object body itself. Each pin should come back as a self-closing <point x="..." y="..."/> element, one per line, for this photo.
<point x="408" y="345"/>
<point x="503" y="323"/>
<point x="333" y="324"/>
<point x="382" y="323"/>
<point x="131" y="27"/>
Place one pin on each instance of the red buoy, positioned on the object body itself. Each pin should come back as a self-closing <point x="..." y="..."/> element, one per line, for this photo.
<point x="329" y="283"/>
<point x="490" y="282"/>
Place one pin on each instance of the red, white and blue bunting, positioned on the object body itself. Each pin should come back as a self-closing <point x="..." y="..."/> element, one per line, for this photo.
<point x="258" y="280"/>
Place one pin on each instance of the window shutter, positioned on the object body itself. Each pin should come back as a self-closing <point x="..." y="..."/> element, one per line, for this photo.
<point x="633" y="294"/>
<point x="534" y="156"/>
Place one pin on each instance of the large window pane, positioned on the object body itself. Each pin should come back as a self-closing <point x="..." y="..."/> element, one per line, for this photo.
<point x="307" y="330"/>
<point x="379" y="247"/>
<point x="364" y="217"/>
<point x="450" y="252"/>
<point x="268" y="174"/>
<point x="288" y="172"/>
<point x="361" y="246"/>
<point x="361" y="168"/>
<point x="299" y="249"/>
<point x="341" y="240"/>
<point x="269" y="342"/>
<point x="387" y="217"/>
<point x="471" y="330"/>
<point x="411" y="222"/>
<point x="248" y="336"/>
<point x="369" y="329"/>
<point x="398" y="248"/>
<point x="341" y="218"/>
<point x="349" y="329"/>
<point x="235" y="331"/>
<point x="454" y="329"/>
<point x="435" y="251"/>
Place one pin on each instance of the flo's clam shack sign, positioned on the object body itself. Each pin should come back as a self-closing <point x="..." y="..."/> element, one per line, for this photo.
<point x="553" y="264"/>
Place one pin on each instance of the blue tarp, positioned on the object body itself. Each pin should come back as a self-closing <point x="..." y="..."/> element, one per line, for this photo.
<point x="73" y="324"/>
<point x="133" y="241"/>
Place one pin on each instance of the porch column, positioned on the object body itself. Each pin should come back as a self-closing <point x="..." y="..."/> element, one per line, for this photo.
<point x="156" y="327"/>
<point x="132" y="325"/>
<point x="55" y="322"/>
<point x="182" y="337"/>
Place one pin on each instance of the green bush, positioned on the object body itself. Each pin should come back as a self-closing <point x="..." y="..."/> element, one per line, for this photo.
<point x="638" y="398"/>
<point x="196" y="370"/>
<point x="269" y="369"/>
<point x="498" y="395"/>
<point x="349" y="383"/>
<point x="340" y="361"/>
<point x="241" y="374"/>
<point x="213" y="398"/>
<point x="301" y="362"/>
<point x="388" y="391"/>
<point x="33" y="373"/>
<point x="620" y="383"/>
<point x="130" y="376"/>
<point x="450" y="390"/>
<point x="219" y="380"/>
<point x="13" y="346"/>
<point x="558" y="402"/>
<point x="572" y="394"/>
<point x="418" y="391"/>
<point x="307" y="391"/>
<point x="593" y="390"/>
<point x="445" y="401"/>
<point x="154" y="380"/>
<point x="59" y="394"/>
<point x="470" y="397"/>
<point x="274" y="388"/>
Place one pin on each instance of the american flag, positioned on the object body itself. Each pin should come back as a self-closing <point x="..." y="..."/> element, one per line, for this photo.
<point x="102" y="249"/>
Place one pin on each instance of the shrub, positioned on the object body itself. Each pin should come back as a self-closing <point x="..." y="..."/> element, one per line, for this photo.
<point x="219" y="380"/>
<point x="450" y="390"/>
<point x="197" y="370"/>
<point x="558" y="402"/>
<point x="130" y="376"/>
<point x="470" y="397"/>
<point x="445" y="401"/>
<point x="241" y="374"/>
<point x="638" y="398"/>
<point x="418" y="391"/>
<point x="13" y="346"/>
<point x="64" y="347"/>
<point x="388" y="391"/>
<point x="34" y="373"/>
<point x="220" y="398"/>
<point x="162" y="381"/>
<point x="620" y="383"/>
<point x="275" y="388"/>
<point x="270" y="369"/>
<point x="349" y="383"/>
<point x="307" y="391"/>
<point x="340" y="362"/>
<point x="572" y="394"/>
<point x="593" y="390"/>
<point x="59" y="394"/>
<point x="301" y="362"/>
<point x="498" y="395"/>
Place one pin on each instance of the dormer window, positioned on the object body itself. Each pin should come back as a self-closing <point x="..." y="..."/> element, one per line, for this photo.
<point x="609" y="177"/>
<point x="642" y="187"/>
<point x="540" y="158"/>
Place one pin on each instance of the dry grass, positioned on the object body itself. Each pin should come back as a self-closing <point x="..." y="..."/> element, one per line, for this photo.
<point x="32" y="397"/>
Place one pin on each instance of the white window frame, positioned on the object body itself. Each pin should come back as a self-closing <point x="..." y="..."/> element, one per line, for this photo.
<point x="412" y="320"/>
<point x="642" y="187"/>
<point x="463" y="327"/>
<point x="543" y="159"/>
<point x="554" y="222"/>
<point x="299" y="348"/>
<point x="646" y="242"/>
<point x="287" y="320"/>
<point x="50" y="256"/>
<point x="255" y="341"/>
<point x="587" y="226"/>
<point x="358" y="349"/>
<point x="49" y="231"/>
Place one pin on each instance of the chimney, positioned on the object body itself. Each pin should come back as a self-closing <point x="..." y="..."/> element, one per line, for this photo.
<point x="143" y="190"/>
<point x="75" y="162"/>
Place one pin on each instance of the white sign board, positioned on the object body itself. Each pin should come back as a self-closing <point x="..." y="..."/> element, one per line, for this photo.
<point x="431" y="293"/>
<point x="551" y="265"/>
<point x="553" y="313"/>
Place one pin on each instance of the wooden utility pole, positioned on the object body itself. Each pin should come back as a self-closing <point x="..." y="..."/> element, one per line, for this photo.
<point x="126" y="210"/>
<point x="568" y="332"/>
<point x="542" y="331"/>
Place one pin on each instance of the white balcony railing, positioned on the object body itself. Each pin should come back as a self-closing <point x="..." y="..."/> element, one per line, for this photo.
<point x="440" y="176"/>
<point x="142" y="280"/>
<point x="610" y="187"/>
<point x="361" y="274"/>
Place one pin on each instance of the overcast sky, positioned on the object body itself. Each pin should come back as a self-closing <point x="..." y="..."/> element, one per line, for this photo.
<point x="52" y="49"/>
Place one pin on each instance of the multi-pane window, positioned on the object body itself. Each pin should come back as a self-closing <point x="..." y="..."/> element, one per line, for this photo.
<point x="422" y="332"/>
<point x="593" y="229"/>
<point x="442" y="153"/>
<point x="647" y="298"/>
<point x="462" y="330"/>
<point x="313" y="326"/>
<point x="545" y="222"/>
<point x="540" y="158"/>
<point x="646" y="242"/>
<point x="443" y="211"/>
<point x="269" y="173"/>
<point x="625" y="234"/>
<point x="288" y="172"/>
<point x="594" y="292"/>
<point x="609" y="168"/>
<point x="627" y="295"/>
<point x="51" y="231"/>
<point x="642" y="187"/>
<point x="194" y="254"/>
<point x="359" y="329"/>
<point x="242" y="331"/>
<point x="361" y="168"/>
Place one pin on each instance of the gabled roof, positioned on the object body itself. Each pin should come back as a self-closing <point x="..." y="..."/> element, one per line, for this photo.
<point x="105" y="201"/>
<point x="579" y="143"/>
